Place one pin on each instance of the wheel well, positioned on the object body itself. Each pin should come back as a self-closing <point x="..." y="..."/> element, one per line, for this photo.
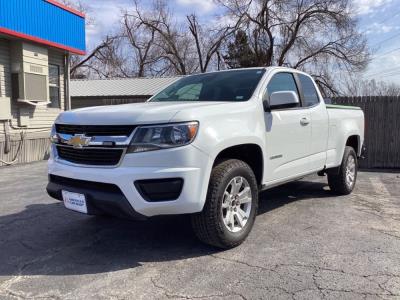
<point x="249" y="153"/>
<point x="353" y="141"/>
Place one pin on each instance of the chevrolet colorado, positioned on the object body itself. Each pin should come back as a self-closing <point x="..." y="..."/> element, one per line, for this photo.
<point x="205" y="146"/>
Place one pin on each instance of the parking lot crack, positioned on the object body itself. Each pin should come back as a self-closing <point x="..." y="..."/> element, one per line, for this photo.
<point x="273" y="269"/>
<point x="386" y="232"/>
<point x="384" y="291"/>
<point x="171" y="295"/>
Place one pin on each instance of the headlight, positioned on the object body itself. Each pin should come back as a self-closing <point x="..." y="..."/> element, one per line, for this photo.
<point x="53" y="135"/>
<point x="150" y="138"/>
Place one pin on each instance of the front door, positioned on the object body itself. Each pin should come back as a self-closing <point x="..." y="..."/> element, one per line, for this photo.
<point x="288" y="134"/>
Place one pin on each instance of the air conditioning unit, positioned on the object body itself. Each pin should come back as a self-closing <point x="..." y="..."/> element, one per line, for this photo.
<point x="30" y="72"/>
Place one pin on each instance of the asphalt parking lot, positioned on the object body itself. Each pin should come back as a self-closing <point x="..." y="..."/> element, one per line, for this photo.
<point x="306" y="244"/>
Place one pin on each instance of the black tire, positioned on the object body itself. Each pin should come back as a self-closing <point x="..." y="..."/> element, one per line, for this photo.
<point x="337" y="182"/>
<point x="209" y="225"/>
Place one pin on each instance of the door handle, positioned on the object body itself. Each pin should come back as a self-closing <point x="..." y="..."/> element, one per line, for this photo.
<point x="304" y="121"/>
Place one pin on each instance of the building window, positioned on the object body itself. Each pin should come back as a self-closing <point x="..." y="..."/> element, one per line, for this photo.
<point x="54" y="86"/>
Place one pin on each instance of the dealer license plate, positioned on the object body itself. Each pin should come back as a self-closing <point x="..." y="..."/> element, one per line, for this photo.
<point x="75" y="201"/>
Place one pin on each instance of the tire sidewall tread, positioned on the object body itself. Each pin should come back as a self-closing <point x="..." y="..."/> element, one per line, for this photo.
<point x="208" y="225"/>
<point x="337" y="182"/>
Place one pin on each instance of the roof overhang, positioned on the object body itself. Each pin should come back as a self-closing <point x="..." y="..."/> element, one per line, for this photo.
<point x="27" y="37"/>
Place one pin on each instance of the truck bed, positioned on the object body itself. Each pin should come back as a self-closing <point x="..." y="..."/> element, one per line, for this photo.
<point x="343" y="121"/>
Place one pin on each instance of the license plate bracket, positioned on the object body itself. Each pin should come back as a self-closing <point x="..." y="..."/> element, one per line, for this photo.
<point x="75" y="201"/>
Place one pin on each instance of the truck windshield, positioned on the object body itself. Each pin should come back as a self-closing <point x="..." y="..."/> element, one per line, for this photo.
<point x="219" y="86"/>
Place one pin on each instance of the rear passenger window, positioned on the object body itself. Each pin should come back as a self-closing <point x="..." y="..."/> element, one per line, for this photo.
<point x="310" y="93"/>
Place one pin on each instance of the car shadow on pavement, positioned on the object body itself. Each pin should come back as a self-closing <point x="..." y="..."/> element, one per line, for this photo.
<point x="46" y="239"/>
<point x="291" y="192"/>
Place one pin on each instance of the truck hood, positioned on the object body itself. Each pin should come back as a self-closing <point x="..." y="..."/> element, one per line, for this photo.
<point x="136" y="113"/>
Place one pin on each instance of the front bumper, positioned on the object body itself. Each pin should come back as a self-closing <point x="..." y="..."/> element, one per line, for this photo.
<point x="187" y="163"/>
<point x="101" y="198"/>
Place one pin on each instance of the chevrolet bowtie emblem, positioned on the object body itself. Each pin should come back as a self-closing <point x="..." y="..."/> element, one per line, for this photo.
<point x="79" y="141"/>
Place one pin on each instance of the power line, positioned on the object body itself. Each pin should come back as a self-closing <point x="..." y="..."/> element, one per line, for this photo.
<point x="391" y="75"/>
<point x="382" y="21"/>
<point x="388" y="39"/>
<point x="391" y="71"/>
<point x="380" y="78"/>
<point x="395" y="14"/>
<point x="383" y="54"/>
<point x="384" y="71"/>
<point x="382" y="75"/>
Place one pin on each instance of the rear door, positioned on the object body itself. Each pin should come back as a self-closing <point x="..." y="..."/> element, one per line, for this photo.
<point x="319" y="122"/>
<point x="288" y="133"/>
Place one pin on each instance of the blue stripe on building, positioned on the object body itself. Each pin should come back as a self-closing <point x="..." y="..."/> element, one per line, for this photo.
<point x="44" y="21"/>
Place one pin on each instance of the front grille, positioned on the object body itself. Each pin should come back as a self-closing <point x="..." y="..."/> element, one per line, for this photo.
<point x="90" y="156"/>
<point x="96" y="130"/>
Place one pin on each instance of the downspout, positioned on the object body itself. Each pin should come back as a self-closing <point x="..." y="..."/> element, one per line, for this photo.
<point x="67" y="79"/>
<point x="7" y="143"/>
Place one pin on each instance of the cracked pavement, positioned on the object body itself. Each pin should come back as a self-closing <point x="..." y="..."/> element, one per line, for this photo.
<point x="306" y="244"/>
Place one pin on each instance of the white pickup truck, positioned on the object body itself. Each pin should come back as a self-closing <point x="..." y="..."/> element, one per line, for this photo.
<point x="204" y="146"/>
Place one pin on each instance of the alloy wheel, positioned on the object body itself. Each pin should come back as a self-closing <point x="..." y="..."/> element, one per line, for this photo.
<point x="236" y="204"/>
<point x="350" y="171"/>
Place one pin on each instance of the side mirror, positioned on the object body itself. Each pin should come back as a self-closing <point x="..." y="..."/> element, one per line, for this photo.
<point x="267" y="107"/>
<point x="284" y="98"/>
<point x="328" y="101"/>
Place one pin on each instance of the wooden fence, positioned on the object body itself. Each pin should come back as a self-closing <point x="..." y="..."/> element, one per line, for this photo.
<point x="382" y="129"/>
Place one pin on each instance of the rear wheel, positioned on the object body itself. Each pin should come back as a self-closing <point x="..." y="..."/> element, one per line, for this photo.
<point x="343" y="183"/>
<point x="231" y="205"/>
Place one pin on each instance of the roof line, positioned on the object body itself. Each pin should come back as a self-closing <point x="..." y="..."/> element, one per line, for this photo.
<point x="128" y="78"/>
<point x="66" y="8"/>
<point x="113" y="97"/>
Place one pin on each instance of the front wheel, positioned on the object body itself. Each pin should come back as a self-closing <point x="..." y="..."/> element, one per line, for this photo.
<point x="231" y="205"/>
<point x="343" y="183"/>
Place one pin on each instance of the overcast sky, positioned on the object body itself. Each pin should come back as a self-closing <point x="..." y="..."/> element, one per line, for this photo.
<point x="379" y="19"/>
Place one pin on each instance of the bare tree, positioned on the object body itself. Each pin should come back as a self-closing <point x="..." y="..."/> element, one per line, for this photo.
<point x="208" y="42"/>
<point x="353" y="86"/>
<point x="171" y="40"/>
<point x="141" y="41"/>
<point x="80" y="66"/>
<point x="179" y="47"/>
<point x="317" y="36"/>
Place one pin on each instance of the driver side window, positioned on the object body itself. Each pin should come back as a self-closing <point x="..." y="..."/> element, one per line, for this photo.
<point x="282" y="82"/>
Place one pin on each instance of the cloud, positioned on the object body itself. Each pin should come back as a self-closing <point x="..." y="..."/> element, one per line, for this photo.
<point x="364" y="7"/>
<point x="378" y="28"/>
<point x="204" y="5"/>
<point x="106" y="15"/>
